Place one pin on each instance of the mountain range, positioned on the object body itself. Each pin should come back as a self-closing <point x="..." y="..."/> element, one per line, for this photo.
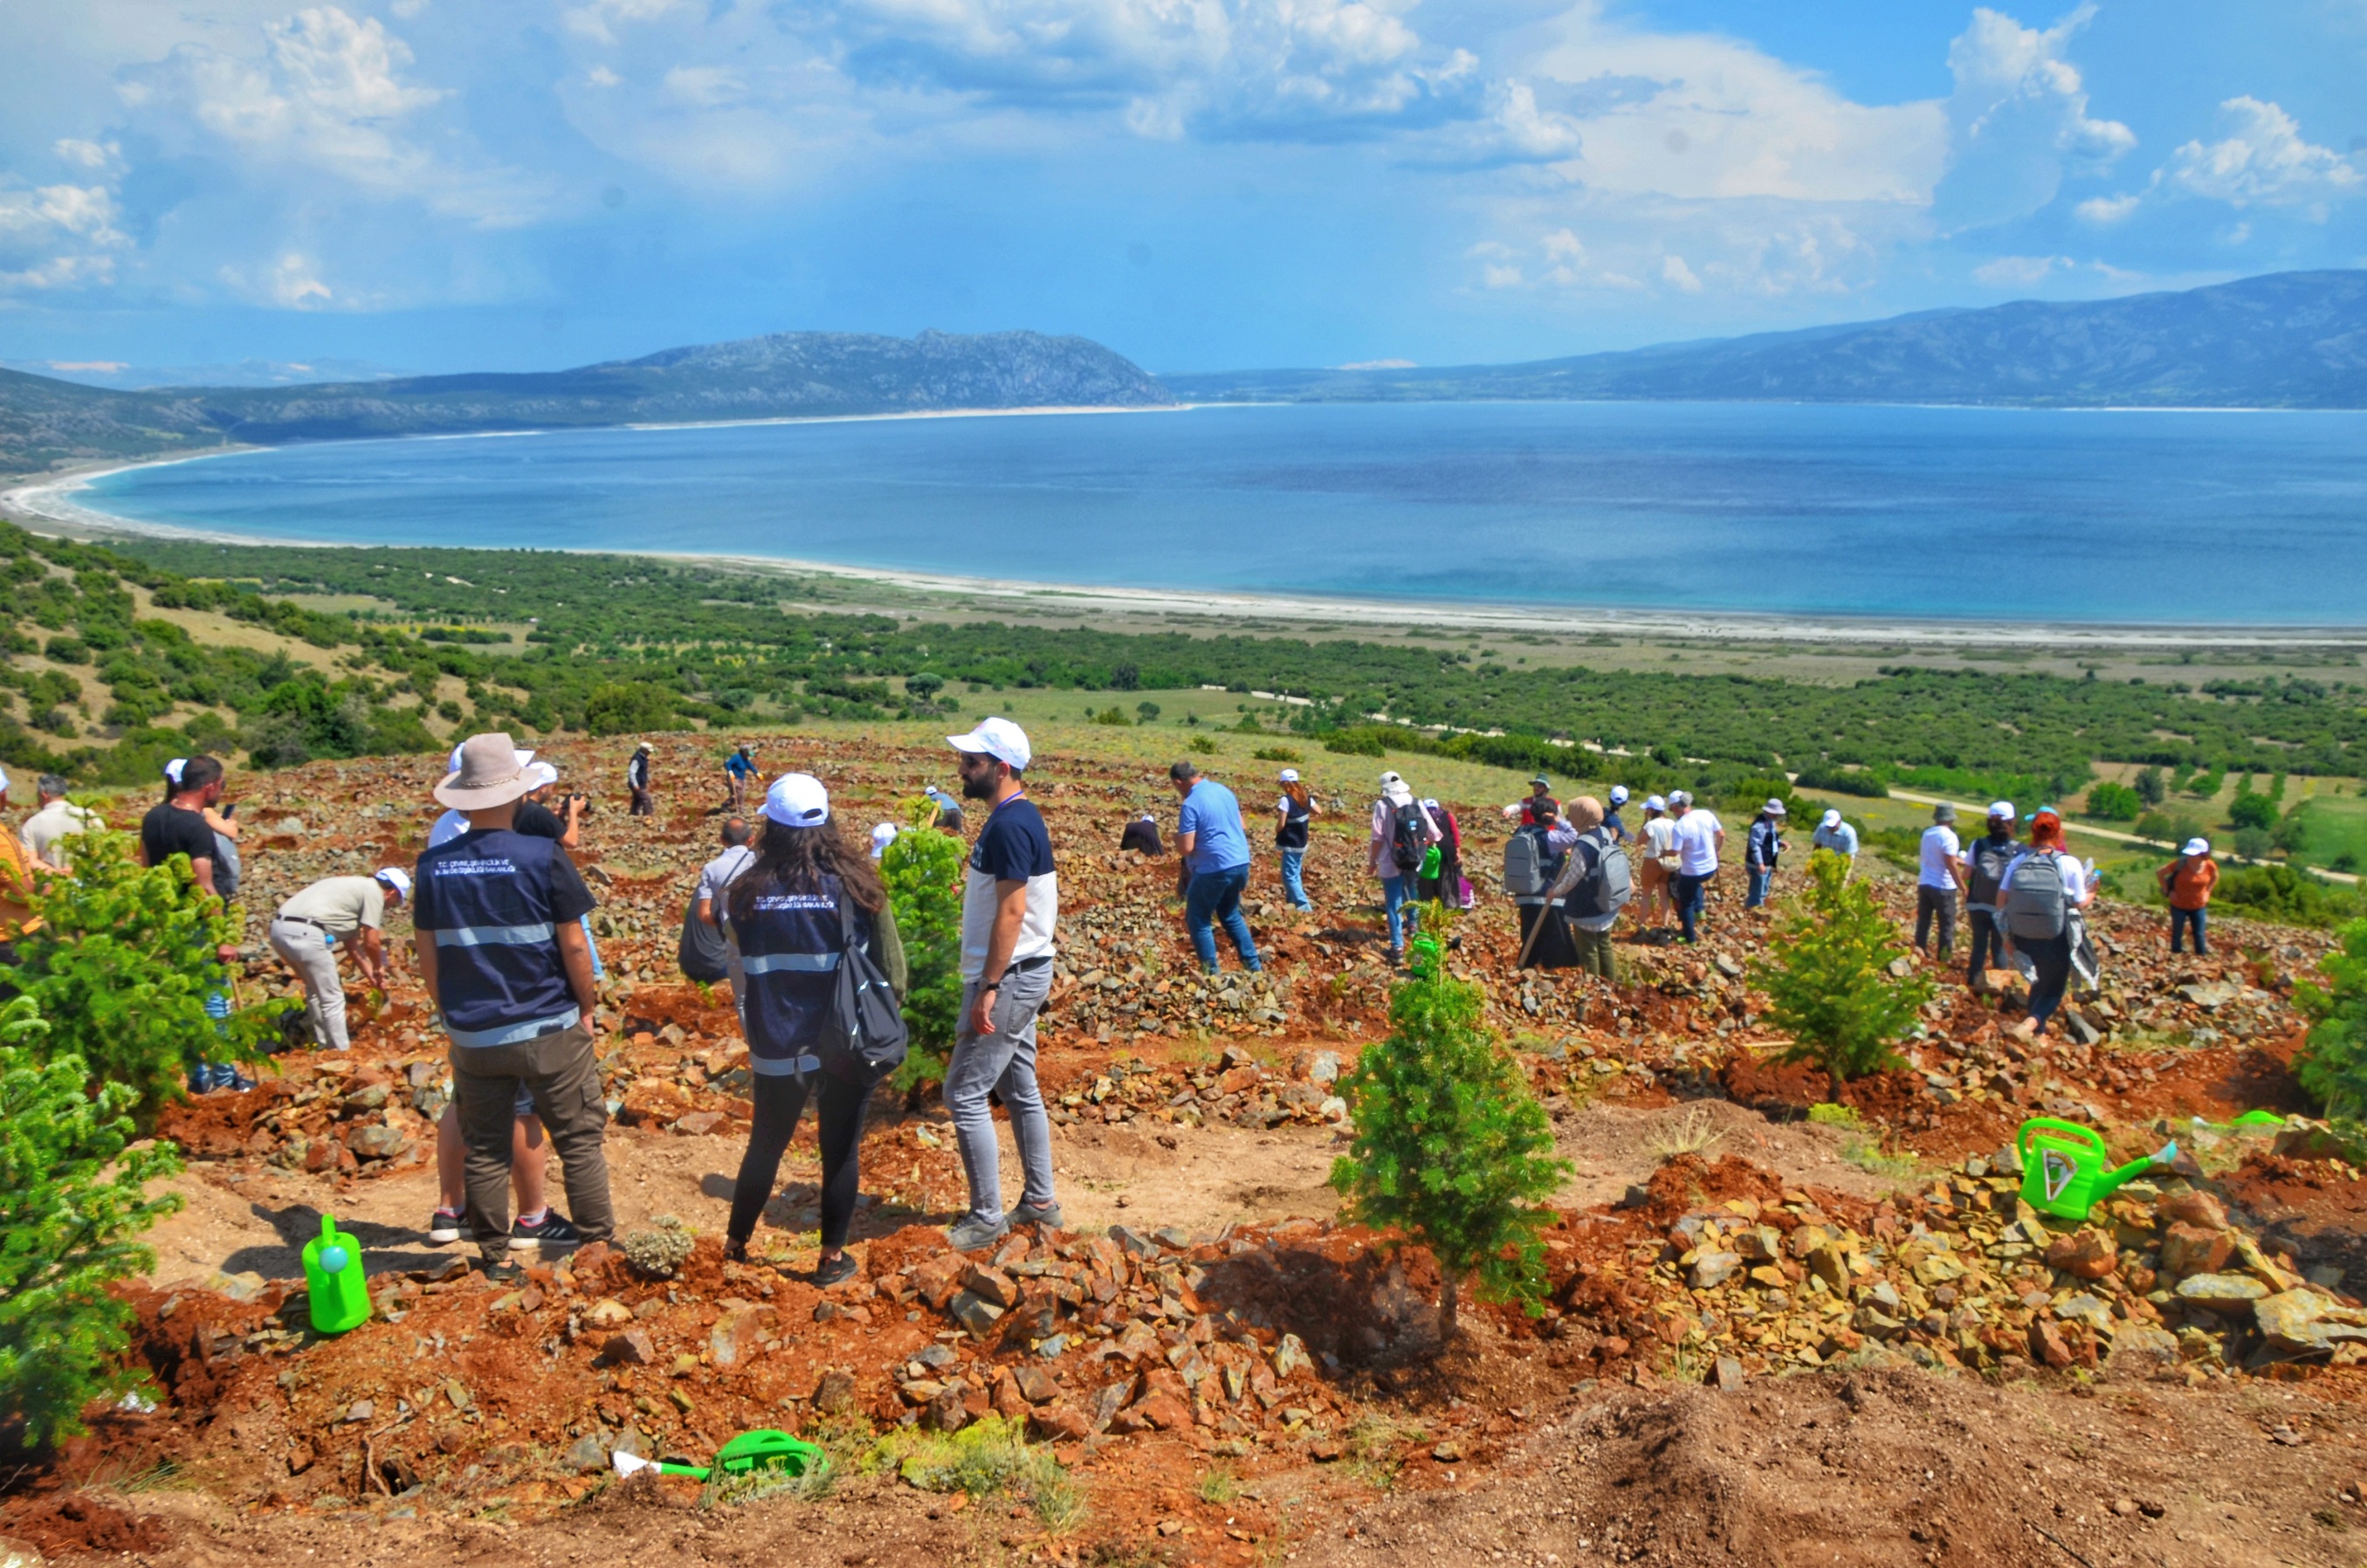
<point x="2285" y="340"/>
<point x="45" y="423"/>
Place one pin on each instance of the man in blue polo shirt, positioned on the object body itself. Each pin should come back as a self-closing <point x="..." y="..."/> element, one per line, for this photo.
<point x="503" y="956"/>
<point x="1215" y="849"/>
<point x="1011" y="900"/>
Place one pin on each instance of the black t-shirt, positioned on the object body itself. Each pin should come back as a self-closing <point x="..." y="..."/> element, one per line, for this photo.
<point x="168" y="830"/>
<point x="1014" y="845"/>
<point x="537" y="820"/>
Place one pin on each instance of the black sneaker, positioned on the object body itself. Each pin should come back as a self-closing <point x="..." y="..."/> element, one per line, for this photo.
<point x="554" y="1229"/>
<point x="233" y="1080"/>
<point x="500" y="1271"/>
<point x="444" y="1227"/>
<point x="834" y="1272"/>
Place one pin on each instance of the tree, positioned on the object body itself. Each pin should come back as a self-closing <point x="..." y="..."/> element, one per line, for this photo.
<point x="71" y="1196"/>
<point x="2149" y="787"/>
<point x="923" y="870"/>
<point x="2115" y="803"/>
<point x="2333" y="1064"/>
<point x="1451" y="1147"/>
<point x="121" y="968"/>
<point x="629" y="707"/>
<point x="1829" y="984"/>
<point x="1144" y="713"/>
<point x="2250" y="810"/>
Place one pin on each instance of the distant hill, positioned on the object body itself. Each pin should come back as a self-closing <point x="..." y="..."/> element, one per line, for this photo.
<point x="44" y="423"/>
<point x="2287" y="340"/>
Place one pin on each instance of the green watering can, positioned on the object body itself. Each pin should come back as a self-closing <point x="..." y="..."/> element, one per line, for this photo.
<point x="748" y="1452"/>
<point x="332" y="1273"/>
<point x="2063" y="1170"/>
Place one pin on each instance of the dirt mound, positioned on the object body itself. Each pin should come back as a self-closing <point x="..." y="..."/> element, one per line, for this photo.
<point x="84" y="1524"/>
<point x="1890" y="1467"/>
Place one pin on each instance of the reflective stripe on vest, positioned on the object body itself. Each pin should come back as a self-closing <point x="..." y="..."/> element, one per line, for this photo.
<point x="510" y="1034"/>
<point x="495" y="936"/>
<point x="775" y="962"/>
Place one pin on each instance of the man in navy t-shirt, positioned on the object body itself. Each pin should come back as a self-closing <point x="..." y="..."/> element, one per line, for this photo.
<point x="506" y="959"/>
<point x="1011" y="901"/>
<point x="1215" y="849"/>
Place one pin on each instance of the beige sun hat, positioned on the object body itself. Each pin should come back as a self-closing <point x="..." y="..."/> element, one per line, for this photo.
<point x="489" y="774"/>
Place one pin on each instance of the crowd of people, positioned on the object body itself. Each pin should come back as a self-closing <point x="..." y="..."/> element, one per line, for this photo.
<point x="794" y="914"/>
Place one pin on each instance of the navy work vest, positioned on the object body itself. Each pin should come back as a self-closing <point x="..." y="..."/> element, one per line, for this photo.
<point x="498" y="970"/>
<point x="789" y="950"/>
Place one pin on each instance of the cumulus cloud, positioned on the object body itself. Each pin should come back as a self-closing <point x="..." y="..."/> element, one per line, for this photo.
<point x="2020" y="272"/>
<point x="1771" y="252"/>
<point x="58" y="237"/>
<point x="1675" y="272"/>
<point x="2266" y="162"/>
<point x="2019" y="119"/>
<point x="2108" y="208"/>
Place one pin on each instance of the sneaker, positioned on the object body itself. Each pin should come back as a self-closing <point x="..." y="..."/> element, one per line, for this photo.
<point x="973" y="1233"/>
<point x="233" y="1079"/>
<point x="554" y="1229"/>
<point x="1044" y="1216"/>
<point x="444" y="1226"/>
<point x="834" y="1272"/>
<point x="500" y="1271"/>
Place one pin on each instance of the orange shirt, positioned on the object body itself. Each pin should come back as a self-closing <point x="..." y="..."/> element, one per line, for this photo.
<point x="2189" y="881"/>
<point x="16" y="882"/>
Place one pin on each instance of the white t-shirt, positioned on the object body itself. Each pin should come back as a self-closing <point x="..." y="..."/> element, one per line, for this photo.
<point x="1940" y="850"/>
<point x="717" y="874"/>
<point x="1660" y="837"/>
<point x="1697" y="841"/>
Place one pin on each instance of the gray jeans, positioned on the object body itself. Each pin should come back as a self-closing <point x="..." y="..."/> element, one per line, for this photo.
<point x="306" y="950"/>
<point x="1001" y="1063"/>
<point x="561" y="1071"/>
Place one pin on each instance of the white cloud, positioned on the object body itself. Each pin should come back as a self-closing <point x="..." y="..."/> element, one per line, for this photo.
<point x="2266" y="162"/>
<point x="1498" y="276"/>
<point x="85" y="154"/>
<point x="1674" y="272"/>
<point x="294" y="284"/>
<point x="705" y="86"/>
<point x="57" y="237"/>
<point x="601" y="76"/>
<point x="63" y="272"/>
<point x="2019" y="118"/>
<point x="2108" y="208"/>
<point x="1703" y="117"/>
<point x="2020" y="272"/>
<point x="600" y="20"/>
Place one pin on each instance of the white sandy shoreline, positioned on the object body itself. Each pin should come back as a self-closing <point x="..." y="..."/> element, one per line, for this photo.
<point x="51" y="499"/>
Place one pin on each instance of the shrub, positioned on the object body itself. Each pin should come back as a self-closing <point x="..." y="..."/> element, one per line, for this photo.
<point x="923" y="872"/>
<point x="1833" y="780"/>
<point x="1274" y="755"/>
<point x="629" y="707"/>
<point x="2333" y="1064"/>
<point x="2253" y="845"/>
<point x="2283" y="894"/>
<point x="121" y="968"/>
<point x="1829" y="983"/>
<point x="1451" y="1147"/>
<point x="2249" y="810"/>
<point x="71" y="1196"/>
<point x="2115" y="803"/>
<point x="1114" y="717"/>
<point x="1145" y="713"/>
<point x="1355" y="743"/>
<point x="2149" y="786"/>
<point x="1201" y="744"/>
<point x="2169" y="827"/>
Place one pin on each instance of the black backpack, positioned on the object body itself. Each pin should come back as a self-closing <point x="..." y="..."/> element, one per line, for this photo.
<point x="701" y="952"/>
<point x="864" y="1039"/>
<point x="1409" y="837"/>
<point x="1989" y="860"/>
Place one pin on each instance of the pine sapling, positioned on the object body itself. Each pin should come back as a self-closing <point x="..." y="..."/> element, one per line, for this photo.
<point x="1451" y="1147"/>
<point x="923" y="869"/>
<point x="2333" y="1065"/>
<point x="1830" y="983"/>
<point x="71" y="1196"/>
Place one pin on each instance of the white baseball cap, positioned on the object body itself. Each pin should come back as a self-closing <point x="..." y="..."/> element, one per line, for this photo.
<point x="1618" y="795"/>
<point x="1290" y="775"/>
<point x="397" y="878"/>
<point x="2196" y="847"/>
<point x="1833" y="818"/>
<point x="1679" y="797"/>
<point x="796" y="800"/>
<point x="996" y="738"/>
<point x="882" y="835"/>
<point x="2000" y="810"/>
<point x="1655" y="803"/>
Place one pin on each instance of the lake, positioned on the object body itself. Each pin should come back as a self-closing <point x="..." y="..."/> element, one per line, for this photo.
<point x="1959" y="514"/>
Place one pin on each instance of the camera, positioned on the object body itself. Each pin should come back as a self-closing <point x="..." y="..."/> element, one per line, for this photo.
<point x="577" y="801"/>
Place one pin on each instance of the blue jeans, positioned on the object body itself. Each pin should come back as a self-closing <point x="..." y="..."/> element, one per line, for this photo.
<point x="1405" y="915"/>
<point x="1988" y="944"/>
<point x="1292" y="887"/>
<point x="1690" y="901"/>
<point x="2179" y="919"/>
<point x="1759" y="878"/>
<point x="1214" y="896"/>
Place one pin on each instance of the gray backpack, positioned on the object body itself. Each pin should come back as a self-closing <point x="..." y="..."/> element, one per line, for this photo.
<point x="2035" y="905"/>
<point x="1604" y="888"/>
<point x="1524" y="864"/>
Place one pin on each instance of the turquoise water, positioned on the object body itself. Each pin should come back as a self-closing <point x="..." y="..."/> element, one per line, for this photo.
<point x="2136" y="516"/>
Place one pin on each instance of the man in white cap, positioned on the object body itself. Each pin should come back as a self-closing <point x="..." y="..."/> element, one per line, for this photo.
<point x="336" y="911"/>
<point x="1700" y="837"/>
<point x="2187" y="882"/>
<point x="1402" y="831"/>
<point x="1982" y="865"/>
<point x="1762" y="849"/>
<point x="637" y="779"/>
<point x="181" y="825"/>
<point x="1658" y="866"/>
<point x="503" y="956"/>
<point x="1836" y="837"/>
<point x="1613" y="823"/>
<point x="1011" y="902"/>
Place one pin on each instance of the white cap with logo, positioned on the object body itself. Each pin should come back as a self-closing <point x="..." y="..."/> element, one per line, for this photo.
<point x="996" y="738"/>
<point x="796" y="800"/>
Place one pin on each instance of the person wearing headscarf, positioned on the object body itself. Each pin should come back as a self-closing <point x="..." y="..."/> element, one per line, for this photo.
<point x="1402" y="830"/>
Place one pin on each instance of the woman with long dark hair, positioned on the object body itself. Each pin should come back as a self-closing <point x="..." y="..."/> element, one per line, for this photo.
<point x="1296" y="809"/>
<point x="782" y="921"/>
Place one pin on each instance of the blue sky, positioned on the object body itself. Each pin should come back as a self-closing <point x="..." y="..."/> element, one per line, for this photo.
<point x="434" y="184"/>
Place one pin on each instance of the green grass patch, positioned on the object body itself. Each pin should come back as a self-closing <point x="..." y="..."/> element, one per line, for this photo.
<point x="988" y="1457"/>
<point x="2336" y="826"/>
<point x="1827" y="1114"/>
<point x="1867" y="1155"/>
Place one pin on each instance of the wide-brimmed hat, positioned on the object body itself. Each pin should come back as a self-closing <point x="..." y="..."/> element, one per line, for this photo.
<point x="491" y="773"/>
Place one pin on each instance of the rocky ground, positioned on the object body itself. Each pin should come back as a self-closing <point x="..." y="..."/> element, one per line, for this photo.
<point x="1768" y="1339"/>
